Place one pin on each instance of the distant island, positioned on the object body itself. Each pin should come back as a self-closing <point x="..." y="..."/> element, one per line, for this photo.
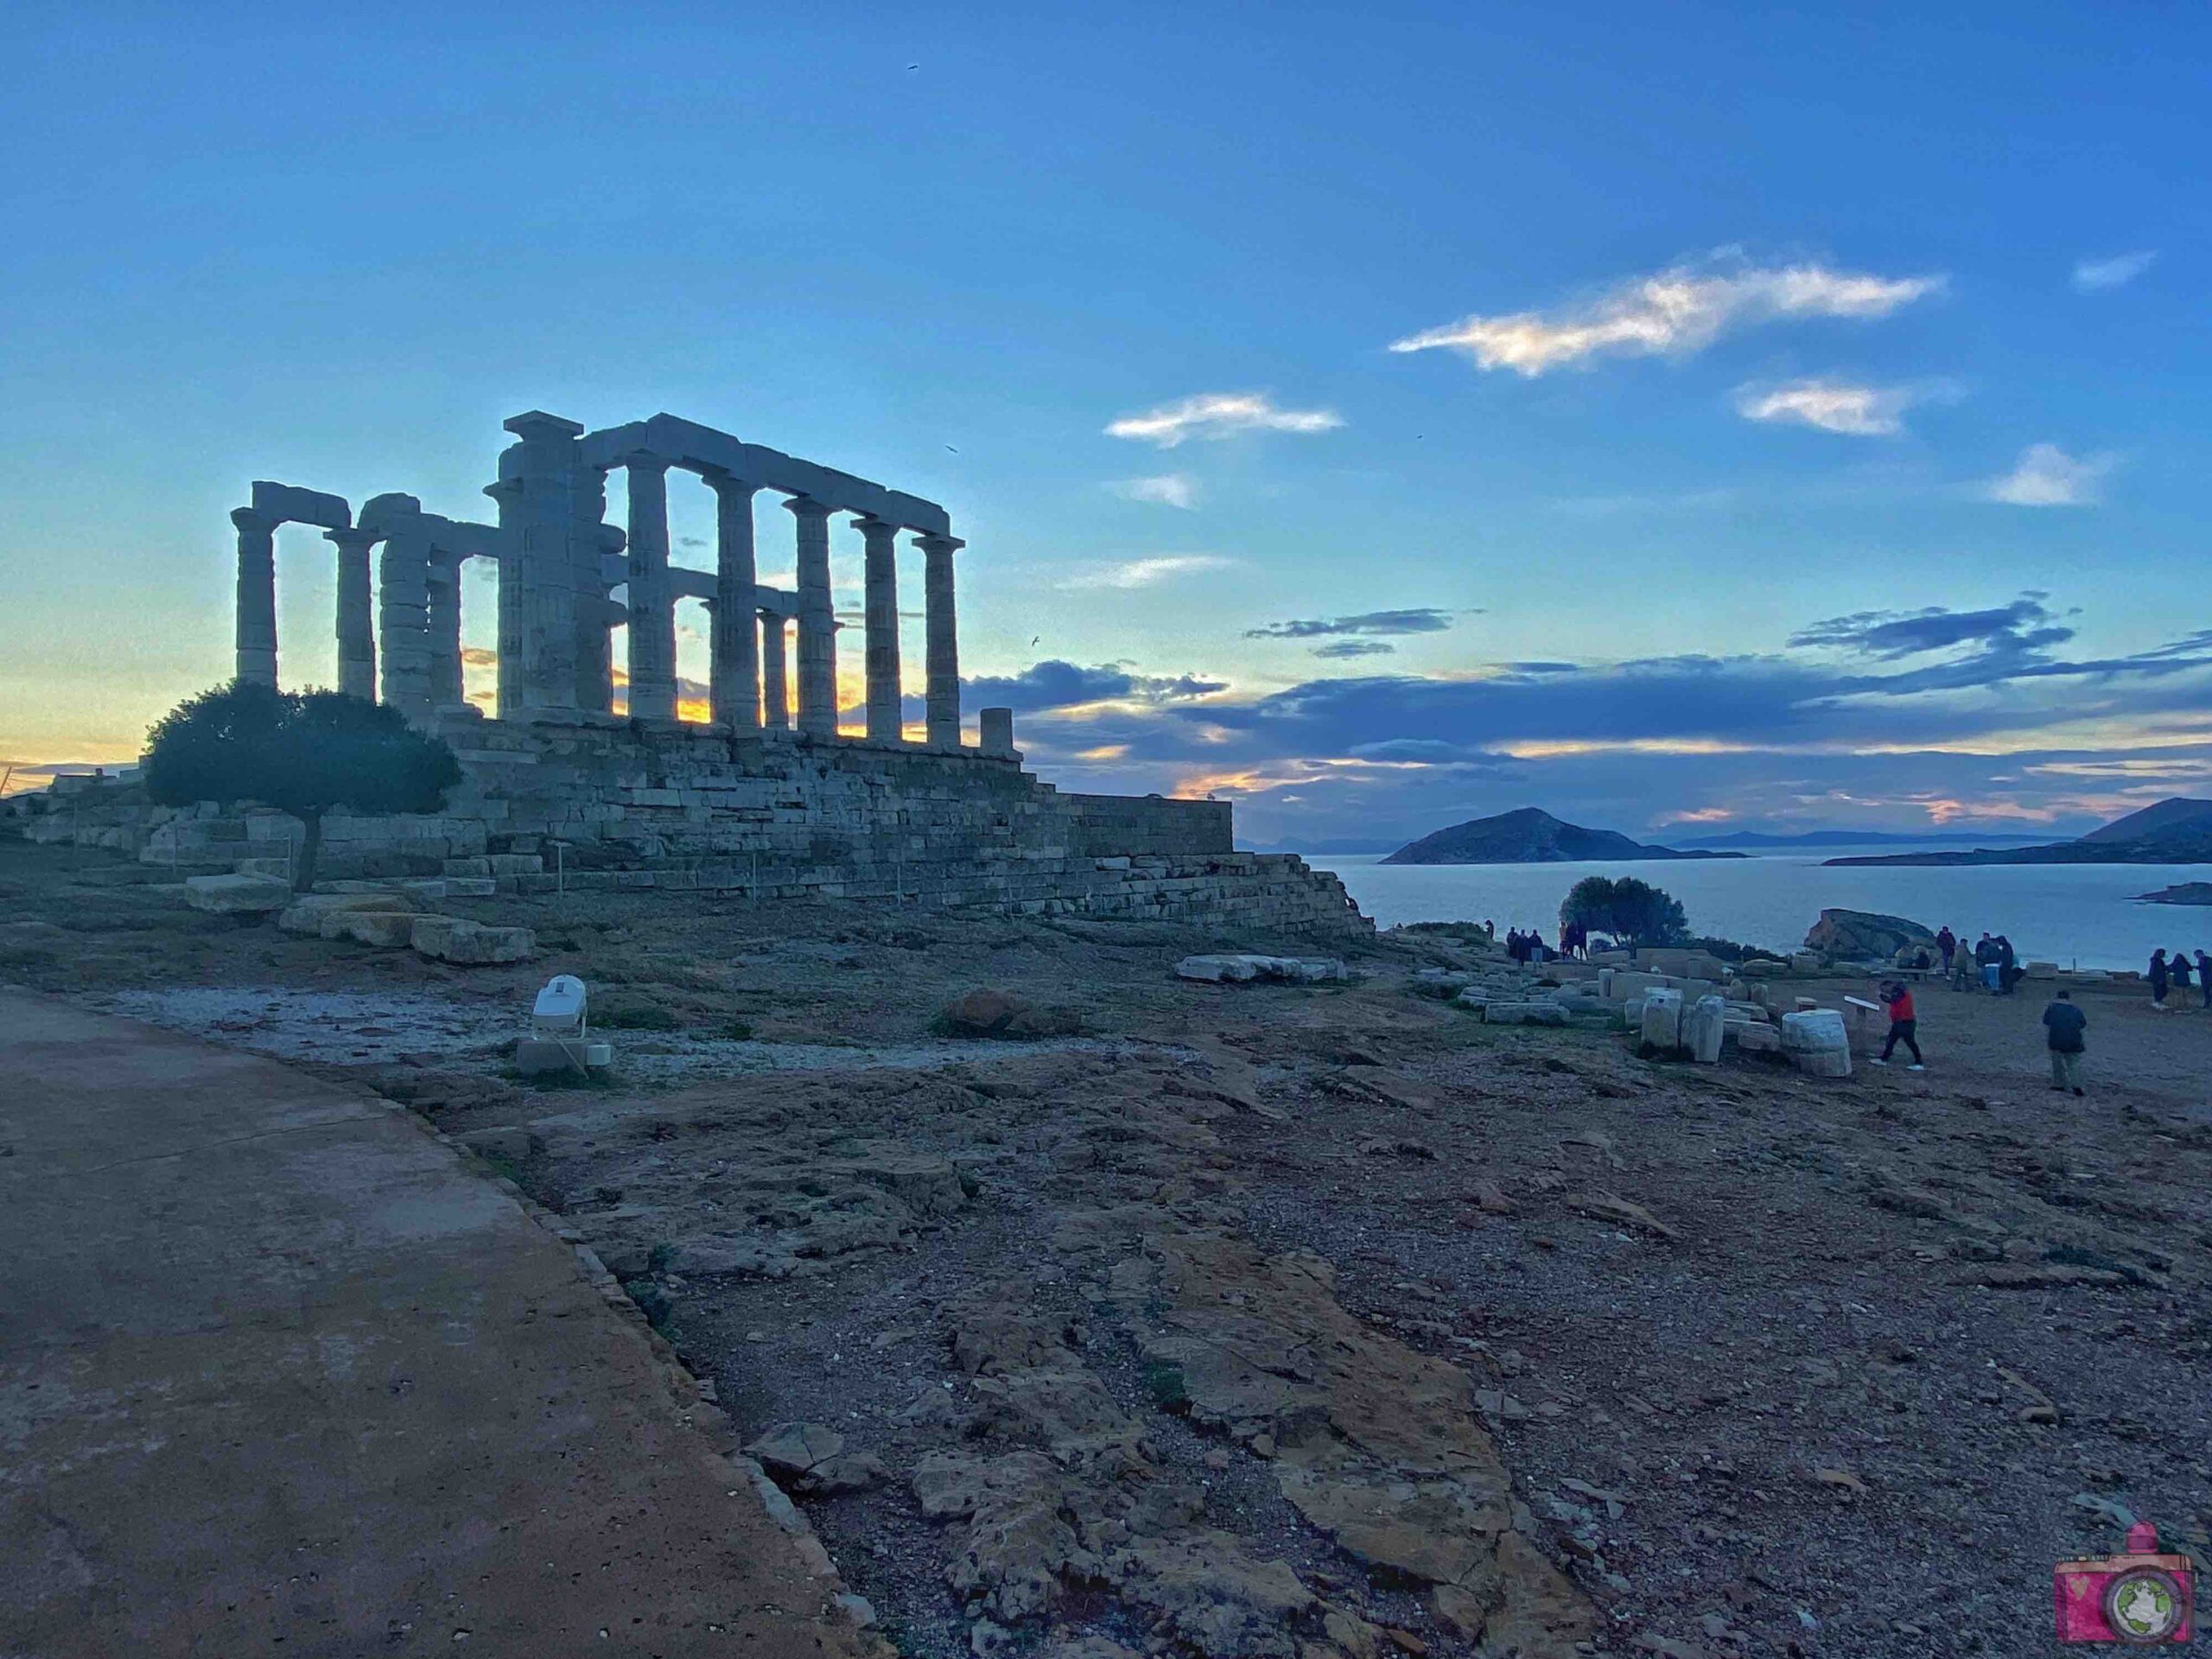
<point x="1529" y="836"/>
<point x="2185" y="892"/>
<point x="2177" y="830"/>
<point x="1848" y="838"/>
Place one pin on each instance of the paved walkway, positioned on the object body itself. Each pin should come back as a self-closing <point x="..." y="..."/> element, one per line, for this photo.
<point x="279" y="1373"/>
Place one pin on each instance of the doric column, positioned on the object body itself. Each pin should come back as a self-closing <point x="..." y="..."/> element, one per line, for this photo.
<point x="652" y="607"/>
<point x="448" y="686"/>
<point x="537" y="493"/>
<point x="943" y="630"/>
<point x="404" y="596"/>
<point x="257" y="597"/>
<point x="735" y="675"/>
<point x="773" y="672"/>
<point x="357" y="639"/>
<point x="817" y="620"/>
<point x="882" y="616"/>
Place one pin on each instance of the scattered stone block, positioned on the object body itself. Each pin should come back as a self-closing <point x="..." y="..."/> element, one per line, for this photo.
<point x="1525" y="1014"/>
<point x="307" y="913"/>
<point x="1239" y="968"/>
<point x="448" y="938"/>
<point x="1705" y="1028"/>
<point x="1756" y="1038"/>
<point x="1816" y="1043"/>
<point x="237" y="895"/>
<point x="1008" y="1014"/>
<point x="386" y="930"/>
<point x="1662" y="1025"/>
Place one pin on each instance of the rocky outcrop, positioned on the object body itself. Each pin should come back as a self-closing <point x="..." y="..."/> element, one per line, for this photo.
<point x="1865" y="936"/>
<point x="2185" y="892"/>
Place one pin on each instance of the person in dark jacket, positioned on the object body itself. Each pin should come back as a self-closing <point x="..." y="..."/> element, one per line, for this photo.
<point x="2065" y="1024"/>
<point x="1948" y="943"/>
<point x="2204" y="976"/>
<point x="2180" y="962"/>
<point x="2008" y="966"/>
<point x="2159" y="974"/>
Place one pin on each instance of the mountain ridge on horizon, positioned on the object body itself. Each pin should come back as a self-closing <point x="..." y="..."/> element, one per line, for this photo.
<point x="2176" y="830"/>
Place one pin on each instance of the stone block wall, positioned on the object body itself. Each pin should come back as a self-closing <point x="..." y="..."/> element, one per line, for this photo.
<point x="608" y="805"/>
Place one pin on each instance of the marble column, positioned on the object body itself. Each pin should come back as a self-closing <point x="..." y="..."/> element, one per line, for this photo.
<point x="652" y="606"/>
<point x="882" y="616"/>
<point x="357" y="639"/>
<point x="942" y="628"/>
<point x="735" y="675"/>
<point x="774" y="682"/>
<point x="447" y="686"/>
<point x="257" y="596"/>
<point x="538" y="622"/>
<point x="404" y="596"/>
<point x="817" y="620"/>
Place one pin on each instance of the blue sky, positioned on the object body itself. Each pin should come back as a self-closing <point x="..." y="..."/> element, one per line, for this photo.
<point x="1756" y="333"/>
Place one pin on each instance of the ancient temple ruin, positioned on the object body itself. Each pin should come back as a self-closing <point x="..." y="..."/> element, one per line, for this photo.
<point x="562" y="791"/>
<point x="559" y="564"/>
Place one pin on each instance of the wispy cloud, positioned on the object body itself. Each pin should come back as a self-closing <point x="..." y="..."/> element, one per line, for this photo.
<point x="2093" y="275"/>
<point x="1219" y="415"/>
<point x="1056" y="684"/>
<point x="1166" y="489"/>
<point x="1855" y="410"/>
<point x="2046" y="476"/>
<point x="1354" y="648"/>
<point x="2025" y="625"/>
<point x="1147" y="573"/>
<point x="1425" y="619"/>
<point x="1681" y="309"/>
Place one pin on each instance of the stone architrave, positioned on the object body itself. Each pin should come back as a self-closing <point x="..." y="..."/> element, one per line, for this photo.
<point x="881" y="617"/>
<point x="735" y="676"/>
<point x="257" y="596"/>
<point x="357" y="639"/>
<point x="817" y="620"/>
<point x="652" y="605"/>
<point x="941" y="630"/>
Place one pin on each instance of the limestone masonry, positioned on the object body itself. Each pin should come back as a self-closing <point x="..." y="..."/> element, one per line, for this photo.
<point x="560" y="791"/>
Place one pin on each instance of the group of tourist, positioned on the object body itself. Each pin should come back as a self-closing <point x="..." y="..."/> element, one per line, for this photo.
<point x="2064" y="1026"/>
<point x="1525" y="948"/>
<point x="1991" y="965"/>
<point x="2172" y="973"/>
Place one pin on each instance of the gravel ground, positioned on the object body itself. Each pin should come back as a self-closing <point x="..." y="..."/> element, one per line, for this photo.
<point x="1776" y="1366"/>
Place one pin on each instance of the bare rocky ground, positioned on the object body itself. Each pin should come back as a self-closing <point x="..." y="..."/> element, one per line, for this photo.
<point x="1308" y="1321"/>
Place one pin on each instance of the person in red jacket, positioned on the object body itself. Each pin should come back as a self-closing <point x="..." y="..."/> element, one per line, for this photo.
<point x="1902" y="1025"/>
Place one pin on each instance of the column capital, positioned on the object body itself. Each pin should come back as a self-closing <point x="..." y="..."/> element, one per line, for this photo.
<point x="344" y="540"/>
<point x="507" y="489"/>
<point x="250" y="518"/>
<point x="640" y="461"/>
<point x="874" y="530"/>
<point x="726" y="483"/>
<point x="805" y="507"/>
<point x="930" y="544"/>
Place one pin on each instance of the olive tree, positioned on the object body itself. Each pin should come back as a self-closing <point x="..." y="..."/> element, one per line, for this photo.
<point x="304" y="752"/>
<point x="1631" y="910"/>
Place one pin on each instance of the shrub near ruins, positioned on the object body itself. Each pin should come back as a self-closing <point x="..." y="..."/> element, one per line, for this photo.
<point x="304" y="752"/>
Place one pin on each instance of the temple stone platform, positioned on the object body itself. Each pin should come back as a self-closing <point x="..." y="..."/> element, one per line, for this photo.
<point x="606" y="804"/>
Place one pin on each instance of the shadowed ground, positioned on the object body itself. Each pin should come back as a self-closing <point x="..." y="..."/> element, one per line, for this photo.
<point x="278" y="1368"/>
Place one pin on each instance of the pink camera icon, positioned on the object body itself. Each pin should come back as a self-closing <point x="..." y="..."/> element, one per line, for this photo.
<point x="2140" y="1599"/>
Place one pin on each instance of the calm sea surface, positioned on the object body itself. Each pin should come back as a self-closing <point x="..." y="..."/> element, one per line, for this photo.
<point x="2068" y="913"/>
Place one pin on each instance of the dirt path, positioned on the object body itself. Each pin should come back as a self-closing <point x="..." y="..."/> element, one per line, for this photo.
<point x="279" y="1368"/>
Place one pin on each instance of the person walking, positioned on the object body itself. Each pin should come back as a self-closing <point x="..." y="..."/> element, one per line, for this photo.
<point x="2159" y="975"/>
<point x="2065" y="1023"/>
<point x="1948" y="943"/>
<point x="1904" y="1026"/>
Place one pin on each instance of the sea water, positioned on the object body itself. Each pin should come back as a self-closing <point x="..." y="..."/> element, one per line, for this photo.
<point x="2073" y="914"/>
